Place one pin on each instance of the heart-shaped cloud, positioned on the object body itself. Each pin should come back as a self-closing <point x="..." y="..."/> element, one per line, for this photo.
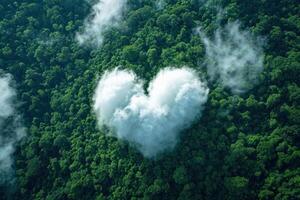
<point x="151" y="122"/>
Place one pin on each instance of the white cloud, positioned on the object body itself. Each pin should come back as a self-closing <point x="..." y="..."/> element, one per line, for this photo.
<point x="106" y="13"/>
<point x="150" y="122"/>
<point x="11" y="130"/>
<point x="234" y="57"/>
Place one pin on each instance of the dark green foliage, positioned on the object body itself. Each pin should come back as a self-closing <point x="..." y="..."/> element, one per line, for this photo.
<point x="244" y="147"/>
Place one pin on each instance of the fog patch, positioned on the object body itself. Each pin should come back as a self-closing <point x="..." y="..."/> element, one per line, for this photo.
<point x="160" y="4"/>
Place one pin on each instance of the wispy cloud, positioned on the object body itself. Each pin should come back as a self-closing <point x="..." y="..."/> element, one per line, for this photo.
<point x="105" y="14"/>
<point x="234" y="57"/>
<point x="11" y="129"/>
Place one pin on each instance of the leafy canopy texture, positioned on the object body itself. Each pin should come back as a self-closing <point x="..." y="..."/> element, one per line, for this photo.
<point x="239" y="141"/>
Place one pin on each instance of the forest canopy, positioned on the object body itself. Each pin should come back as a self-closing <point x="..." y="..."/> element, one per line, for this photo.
<point x="239" y="59"/>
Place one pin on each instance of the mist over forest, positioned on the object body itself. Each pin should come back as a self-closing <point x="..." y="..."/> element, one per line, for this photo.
<point x="149" y="99"/>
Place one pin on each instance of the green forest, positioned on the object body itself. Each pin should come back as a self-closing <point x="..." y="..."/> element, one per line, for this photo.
<point x="244" y="146"/>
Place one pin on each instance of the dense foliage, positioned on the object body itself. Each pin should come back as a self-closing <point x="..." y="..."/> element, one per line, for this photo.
<point x="244" y="147"/>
